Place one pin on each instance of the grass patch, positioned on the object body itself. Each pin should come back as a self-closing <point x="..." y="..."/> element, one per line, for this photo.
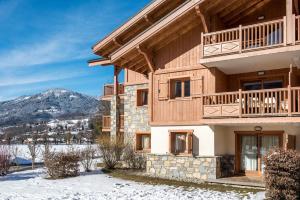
<point x="134" y="175"/>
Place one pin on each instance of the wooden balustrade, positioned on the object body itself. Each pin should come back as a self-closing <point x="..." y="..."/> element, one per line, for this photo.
<point x="109" y="89"/>
<point x="244" y="38"/>
<point x="297" y="29"/>
<point x="272" y="102"/>
<point x="260" y="35"/>
<point x="106" y="122"/>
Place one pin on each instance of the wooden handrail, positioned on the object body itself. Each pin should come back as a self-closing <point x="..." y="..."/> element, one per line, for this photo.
<point x="274" y="102"/>
<point x="243" y="38"/>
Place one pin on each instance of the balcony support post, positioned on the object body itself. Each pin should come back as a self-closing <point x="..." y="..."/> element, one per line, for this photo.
<point x="289" y="22"/>
<point x="240" y="38"/>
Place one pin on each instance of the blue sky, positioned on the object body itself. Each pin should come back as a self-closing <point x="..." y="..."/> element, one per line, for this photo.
<point x="46" y="43"/>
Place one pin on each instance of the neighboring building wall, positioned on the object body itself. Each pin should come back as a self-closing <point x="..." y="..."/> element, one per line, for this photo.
<point x="136" y="118"/>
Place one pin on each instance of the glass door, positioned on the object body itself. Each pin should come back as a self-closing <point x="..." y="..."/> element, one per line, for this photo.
<point x="268" y="142"/>
<point x="249" y="156"/>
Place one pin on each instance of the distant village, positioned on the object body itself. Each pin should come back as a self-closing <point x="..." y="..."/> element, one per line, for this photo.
<point x="76" y="131"/>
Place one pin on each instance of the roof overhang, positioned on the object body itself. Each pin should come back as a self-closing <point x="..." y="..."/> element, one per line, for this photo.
<point x="99" y="62"/>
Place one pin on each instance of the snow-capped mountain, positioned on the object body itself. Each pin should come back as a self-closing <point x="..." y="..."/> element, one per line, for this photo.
<point x="53" y="103"/>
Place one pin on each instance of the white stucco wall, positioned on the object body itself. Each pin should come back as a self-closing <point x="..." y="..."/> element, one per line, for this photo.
<point x="203" y="139"/>
<point x="214" y="140"/>
<point x="225" y="137"/>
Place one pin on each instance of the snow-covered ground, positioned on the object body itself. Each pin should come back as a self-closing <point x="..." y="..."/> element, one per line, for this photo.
<point x="23" y="155"/>
<point x="96" y="185"/>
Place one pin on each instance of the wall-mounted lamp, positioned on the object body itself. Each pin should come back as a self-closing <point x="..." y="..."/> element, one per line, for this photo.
<point x="258" y="128"/>
<point x="261" y="73"/>
<point x="261" y="17"/>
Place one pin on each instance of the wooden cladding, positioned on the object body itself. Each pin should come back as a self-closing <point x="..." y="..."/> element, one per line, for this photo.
<point x="243" y="38"/>
<point x="188" y="86"/>
<point x="272" y="102"/>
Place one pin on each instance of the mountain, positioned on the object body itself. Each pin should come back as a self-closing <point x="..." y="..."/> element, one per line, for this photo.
<point x="53" y="103"/>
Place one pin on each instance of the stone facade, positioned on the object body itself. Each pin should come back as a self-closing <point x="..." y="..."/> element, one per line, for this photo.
<point x="116" y="109"/>
<point x="186" y="168"/>
<point x="136" y="119"/>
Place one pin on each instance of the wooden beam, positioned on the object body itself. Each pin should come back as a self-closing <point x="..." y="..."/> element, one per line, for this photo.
<point x="148" y="57"/>
<point x="202" y="17"/>
<point x="249" y="11"/>
<point x="99" y="62"/>
<point x="117" y="71"/>
<point x="148" y="19"/>
<point x="240" y="10"/>
<point x="117" y="42"/>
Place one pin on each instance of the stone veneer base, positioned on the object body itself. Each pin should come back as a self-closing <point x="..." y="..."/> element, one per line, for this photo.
<point x="188" y="168"/>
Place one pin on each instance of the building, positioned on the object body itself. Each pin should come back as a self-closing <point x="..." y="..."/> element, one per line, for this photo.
<point x="210" y="85"/>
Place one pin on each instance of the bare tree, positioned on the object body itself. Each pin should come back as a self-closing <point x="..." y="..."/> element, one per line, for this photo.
<point x="14" y="149"/>
<point x="34" y="151"/>
<point x="86" y="157"/>
<point x="4" y="160"/>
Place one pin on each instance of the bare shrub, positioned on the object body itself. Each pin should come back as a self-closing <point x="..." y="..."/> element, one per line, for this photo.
<point x="62" y="164"/>
<point x="134" y="160"/>
<point x="86" y="157"/>
<point x="4" y="160"/>
<point x="34" y="151"/>
<point x="111" y="150"/>
<point x="14" y="150"/>
<point x="282" y="174"/>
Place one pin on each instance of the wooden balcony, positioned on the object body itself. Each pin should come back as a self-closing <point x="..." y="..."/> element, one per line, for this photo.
<point x="258" y="103"/>
<point x="106" y="123"/>
<point x="255" y="37"/>
<point x="108" y="91"/>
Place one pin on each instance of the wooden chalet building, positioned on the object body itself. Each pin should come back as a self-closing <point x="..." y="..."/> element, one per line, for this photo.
<point x="210" y="85"/>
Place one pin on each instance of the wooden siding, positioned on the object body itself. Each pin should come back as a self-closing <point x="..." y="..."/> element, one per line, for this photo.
<point x="132" y="77"/>
<point x="186" y="109"/>
<point x="182" y="52"/>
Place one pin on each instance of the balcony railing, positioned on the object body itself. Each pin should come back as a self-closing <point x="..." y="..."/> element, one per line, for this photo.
<point x="106" y="122"/>
<point x="109" y="89"/>
<point x="245" y="38"/>
<point x="272" y="102"/>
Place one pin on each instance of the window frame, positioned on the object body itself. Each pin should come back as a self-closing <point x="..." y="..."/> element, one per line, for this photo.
<point x="188" y="140"/>
<point x="139" y="99"/>
<point x="138" y="136"/>
<point x="172" y="88"/>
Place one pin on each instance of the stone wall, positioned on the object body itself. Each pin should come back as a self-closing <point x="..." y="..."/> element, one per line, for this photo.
<point x="136" y="118"/>
<point x="184" y="168"/>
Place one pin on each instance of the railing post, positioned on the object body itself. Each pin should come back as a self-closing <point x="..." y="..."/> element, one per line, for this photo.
<point x="284" y="31"/>
<point x="240" y="38"/>
<point x="240" y="103"/>
<point x="289" y="101"/>
<point x="202" y="45"/>
<point x="293" y="29"/>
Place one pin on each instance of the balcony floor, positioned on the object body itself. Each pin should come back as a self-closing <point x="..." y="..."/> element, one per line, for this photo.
<point x="251" y="61"/>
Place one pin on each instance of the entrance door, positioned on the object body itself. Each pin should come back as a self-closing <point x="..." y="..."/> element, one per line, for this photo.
<point x="251" y="147"/>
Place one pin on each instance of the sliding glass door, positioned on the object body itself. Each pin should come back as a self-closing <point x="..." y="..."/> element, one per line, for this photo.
<point x="252" y="147"/>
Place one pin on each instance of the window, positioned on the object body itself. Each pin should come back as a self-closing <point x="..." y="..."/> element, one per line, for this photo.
<point x="180" y="88"/>
<point x="142" y="97"/>
<point x="143" y="142"/>
<point x="181" y="142"/>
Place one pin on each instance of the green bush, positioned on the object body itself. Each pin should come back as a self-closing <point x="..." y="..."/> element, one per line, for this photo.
<point x="282" y="174"/>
